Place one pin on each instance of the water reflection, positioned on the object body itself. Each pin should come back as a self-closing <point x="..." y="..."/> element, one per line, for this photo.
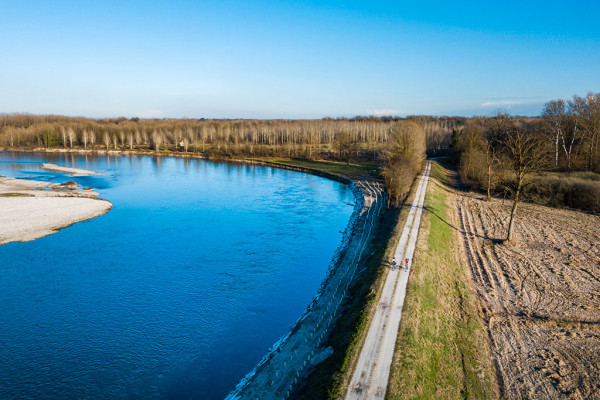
<point x="156" y="163"/>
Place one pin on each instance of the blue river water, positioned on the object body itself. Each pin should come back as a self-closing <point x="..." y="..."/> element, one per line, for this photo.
<point x="177" y="292"/>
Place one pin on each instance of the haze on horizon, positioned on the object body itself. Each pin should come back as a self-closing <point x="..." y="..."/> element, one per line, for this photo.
<point x="309" y="59"/>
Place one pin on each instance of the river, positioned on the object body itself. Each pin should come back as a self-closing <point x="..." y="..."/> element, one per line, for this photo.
<point x="177" y="292"/>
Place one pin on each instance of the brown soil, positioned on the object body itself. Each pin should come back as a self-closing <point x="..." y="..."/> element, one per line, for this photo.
<point x="540" y="296"/>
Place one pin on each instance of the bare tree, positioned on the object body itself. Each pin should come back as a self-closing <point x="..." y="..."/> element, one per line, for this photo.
<point x="524" y="153"/>
<point x="404" y="157"/>
<point x="571" y="135"/>
<point x="130" y="140"/>
<point x="469" y="145"/>
<point x="157" y="140"/>
<point x="177" y="137"/>
<point x="343" y="144"/>
<point x="555" y="112"/>
<point x="313" y="139"/>
<point x="11" y="136"/>
<point x="587" y="112"/>
<point x="106" y="139"/>
<point x="408" y="140"/>
<point x="497" y="127"/>
<point x="189" y="137"/>
<point x="71" y="134"/>
<point x="64" y="136"/>
<point x="92" y="138"/>
<point x="203" y="136"/>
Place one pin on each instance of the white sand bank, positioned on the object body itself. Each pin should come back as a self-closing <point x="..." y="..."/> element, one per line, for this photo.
<point x="28" y="187"/>
<point x="28" y="218"/>
<point x="69" y="170"/>
<point x="28" y="214"/>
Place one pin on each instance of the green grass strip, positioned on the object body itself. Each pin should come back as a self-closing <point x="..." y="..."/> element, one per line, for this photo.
<point x="335" y="167"/>
<point x="441" y="351"/>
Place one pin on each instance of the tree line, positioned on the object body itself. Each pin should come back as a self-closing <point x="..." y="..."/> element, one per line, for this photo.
<point x="358" y="138"/>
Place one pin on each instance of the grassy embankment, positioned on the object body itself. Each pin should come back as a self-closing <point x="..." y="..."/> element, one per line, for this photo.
<point x="442" y="349"/>
<point x="337" y="168"/>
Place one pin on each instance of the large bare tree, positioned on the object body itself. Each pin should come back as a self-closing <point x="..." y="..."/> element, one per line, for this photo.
<point x="525" y="152"/>
<point x="496" y="128"/>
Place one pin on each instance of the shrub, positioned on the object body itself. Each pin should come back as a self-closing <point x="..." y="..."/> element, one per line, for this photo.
<point x="563" y="191"/>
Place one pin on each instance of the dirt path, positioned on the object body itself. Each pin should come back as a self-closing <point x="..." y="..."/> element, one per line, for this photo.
<point x="540" y="296"/>
<point x="371" y="374"/>
<point x="294" y="355"/>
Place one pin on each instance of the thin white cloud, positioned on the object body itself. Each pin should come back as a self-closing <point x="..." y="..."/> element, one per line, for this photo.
<point x="152" y="114"/>
<point x="504" y="103"/>
<point x="385" y="112"/>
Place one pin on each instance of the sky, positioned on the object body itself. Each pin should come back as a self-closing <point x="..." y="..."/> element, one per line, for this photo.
<point x="294" y="59"/>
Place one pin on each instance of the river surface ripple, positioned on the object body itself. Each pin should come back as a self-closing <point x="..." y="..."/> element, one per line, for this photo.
<point x="177" y="292"/>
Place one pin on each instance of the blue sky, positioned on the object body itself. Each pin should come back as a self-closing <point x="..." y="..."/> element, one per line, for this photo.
<point x="300" y="59"/>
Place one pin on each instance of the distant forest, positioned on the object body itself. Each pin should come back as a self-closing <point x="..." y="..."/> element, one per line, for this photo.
<point x="357" y="139"/>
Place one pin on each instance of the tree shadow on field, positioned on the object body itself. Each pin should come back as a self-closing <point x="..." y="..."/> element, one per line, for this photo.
<point x="430" y="210"/>
<point x="450" y="182"/>
<point x="457" y="229"/>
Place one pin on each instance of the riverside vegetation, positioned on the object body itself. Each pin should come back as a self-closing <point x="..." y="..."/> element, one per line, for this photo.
<point x="344" y="139"/>
<point x="366" y="142"/>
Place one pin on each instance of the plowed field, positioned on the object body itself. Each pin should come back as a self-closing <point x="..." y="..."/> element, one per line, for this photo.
<point x="540" y="296"/>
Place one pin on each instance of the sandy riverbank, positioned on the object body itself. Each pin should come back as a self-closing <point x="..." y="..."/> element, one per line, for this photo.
<point x="69" y="170"/>
<point x="30" y="210"/>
